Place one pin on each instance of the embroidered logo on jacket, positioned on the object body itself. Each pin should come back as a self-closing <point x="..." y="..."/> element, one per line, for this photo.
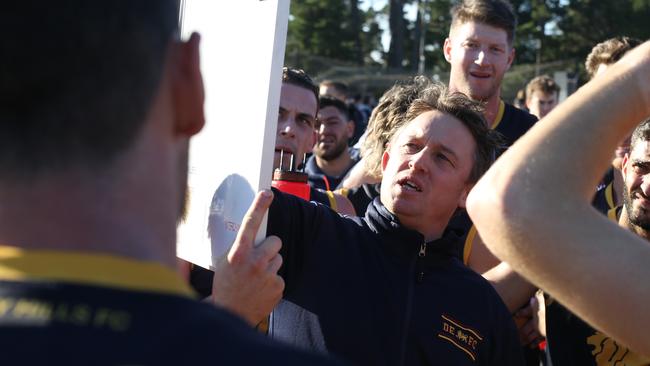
<point x="462" y="337"/>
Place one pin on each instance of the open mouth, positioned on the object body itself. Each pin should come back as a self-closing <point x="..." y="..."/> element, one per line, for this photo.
<point x="286" y="150"/>
<point x="410" y="185"/>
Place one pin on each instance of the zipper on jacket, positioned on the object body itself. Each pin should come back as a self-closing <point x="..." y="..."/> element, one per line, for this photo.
<point x="415" y="269"/>
<point x="423" y="250"/>
<point x="421" y="254"/>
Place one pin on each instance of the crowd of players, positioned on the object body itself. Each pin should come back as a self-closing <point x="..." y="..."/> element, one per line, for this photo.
<point x="411" y="249"/>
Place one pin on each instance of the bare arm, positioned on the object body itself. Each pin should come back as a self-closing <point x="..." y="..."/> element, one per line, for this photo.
<point x="514" y="290"/>
<point x="533" y="211"/>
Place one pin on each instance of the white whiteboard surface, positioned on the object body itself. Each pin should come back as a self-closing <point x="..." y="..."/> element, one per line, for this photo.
<point x="242" y="54"/>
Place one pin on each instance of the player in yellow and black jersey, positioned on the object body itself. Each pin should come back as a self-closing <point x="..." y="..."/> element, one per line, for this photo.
<point x="99" y="102"/>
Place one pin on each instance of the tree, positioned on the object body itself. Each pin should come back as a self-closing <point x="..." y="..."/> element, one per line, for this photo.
<point x="320" y="28"/>
<point x="322" y="31"/>
<point x="397" y="32"/>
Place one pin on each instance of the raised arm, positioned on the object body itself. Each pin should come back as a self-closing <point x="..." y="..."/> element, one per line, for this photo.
<point x="532" y="207"/>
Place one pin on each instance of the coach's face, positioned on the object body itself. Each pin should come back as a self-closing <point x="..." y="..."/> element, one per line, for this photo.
<point x="426" y="169"/>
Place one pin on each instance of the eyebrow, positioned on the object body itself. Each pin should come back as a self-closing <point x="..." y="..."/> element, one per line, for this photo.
<point x="449" y="151"/>
<point x="308" y="117"/>
<point x="332" y="118"/>
<point x="419" y="135"/>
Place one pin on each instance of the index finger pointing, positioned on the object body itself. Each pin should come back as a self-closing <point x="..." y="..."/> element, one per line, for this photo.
<point x="253" y="219"/>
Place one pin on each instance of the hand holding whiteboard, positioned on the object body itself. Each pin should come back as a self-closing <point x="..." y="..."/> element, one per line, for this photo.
<point x="242" y="53"/>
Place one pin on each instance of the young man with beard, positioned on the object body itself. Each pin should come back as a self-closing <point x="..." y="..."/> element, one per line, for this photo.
<point x="546" y="228"/>
<point x="297" y="134"/>
<point x="340" y="91"/>
<point x="99" y="102"/>
<point x="332" y="158"/>
<point x="390" y="281"/>
<point x="571" y="340"/>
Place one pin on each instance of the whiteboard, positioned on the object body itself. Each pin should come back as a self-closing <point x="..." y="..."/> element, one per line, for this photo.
<point x="242" y="54"/>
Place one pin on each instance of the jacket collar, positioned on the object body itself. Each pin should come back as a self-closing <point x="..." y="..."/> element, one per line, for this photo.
<point x="311" y="167"/>
<point x="404" y="241"/>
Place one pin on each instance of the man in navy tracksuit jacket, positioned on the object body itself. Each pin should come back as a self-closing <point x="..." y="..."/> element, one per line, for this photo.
<point x="387" y="289"/>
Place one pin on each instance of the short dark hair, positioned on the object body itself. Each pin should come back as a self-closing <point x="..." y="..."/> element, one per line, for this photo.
<point x="339" y="86"/>
<point x="495" y="13"/>
<point x="78" y="78"/>
<point x="542" y="83"/>
<point x="329" y="101"/>
<point x="299" y="77"/>
<point x="608" y="52"/>
<point x="640" y="134"/>
<point x="469" y="112"/>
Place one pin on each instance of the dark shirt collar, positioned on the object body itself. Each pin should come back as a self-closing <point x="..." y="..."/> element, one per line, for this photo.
<point x="311" y="167"/>
<point x="89" y="268"/>
<point x="404" y="241"/>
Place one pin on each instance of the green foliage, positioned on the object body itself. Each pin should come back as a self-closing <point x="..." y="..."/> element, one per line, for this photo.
<point x="325" y="35"/>
<point x="327" y="29"/>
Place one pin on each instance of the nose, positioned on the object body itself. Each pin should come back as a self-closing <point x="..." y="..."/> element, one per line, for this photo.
<point x="645" y="185"/>
<point x="287" y="126"/>
<point x="480" y="58"/>
<point x="322" y="128"/>
<point x="418" y="162"/>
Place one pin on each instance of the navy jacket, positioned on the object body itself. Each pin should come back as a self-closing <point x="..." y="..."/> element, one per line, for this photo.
<point x="373" y="292"/>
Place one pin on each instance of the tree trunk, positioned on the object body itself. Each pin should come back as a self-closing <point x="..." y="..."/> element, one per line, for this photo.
<point x="417" y="35"/>
<point x="396" y="23"/>
<point x="355" y="23"/>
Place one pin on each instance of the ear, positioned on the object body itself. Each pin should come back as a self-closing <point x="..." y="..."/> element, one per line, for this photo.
<point x="188" y="92"/>
<point x="350" y="129"/>
<point x="462" y="200"/>
<point x="384" y="159"/>
<point x="446" y="49"/>
<point x="314" y="138"/>
<point x="626" y="160"/>
<point x="511" y="57"/>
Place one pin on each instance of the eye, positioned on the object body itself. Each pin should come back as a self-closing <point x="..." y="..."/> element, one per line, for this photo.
<point x="411" y="147"/>
<point x="306" y="120"/>
<point x="640" y="168"/>
<point x="444" y="159"/>
<point x="496" y="49"/>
